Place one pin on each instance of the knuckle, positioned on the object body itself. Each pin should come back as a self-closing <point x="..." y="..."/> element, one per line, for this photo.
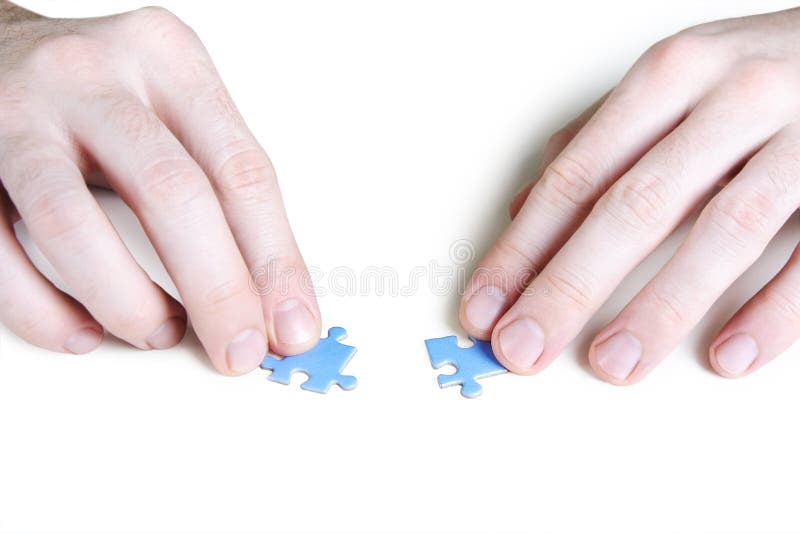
<point x="574" y="287"/>
<point x="780" y="160"/>
<point x="224" y="293"/>
<point x="570" y="180"/>
<point x="668" y="308"/>
<point x="741" y="217"/>
<point x="171" y="181"/>
<point x="246" y="173"/>
<point x="45" y="196"/>
<point x="160" y="26"/>
<point x="782" y="177"/>
<point x="54" y="212"/>
<point x="639" y="202"/>
<point x="787" y="304"/>
<point x="525" y="253"/>
<point x="29" y="161"/>
<point x="217" y="100"/>
<point x="672" y="54"/>
<point x="155" y="14"/>
<point x="131" y="118"/>
<point x="73" y="55"/>
<point x="757" y="79"/>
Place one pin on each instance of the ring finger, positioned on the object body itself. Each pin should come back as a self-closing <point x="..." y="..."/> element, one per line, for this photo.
<point x="729" y="235"/>
<point x="77" y="238"/>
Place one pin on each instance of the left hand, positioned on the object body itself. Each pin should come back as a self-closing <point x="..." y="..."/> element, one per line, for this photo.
<point x="715" y="103"/>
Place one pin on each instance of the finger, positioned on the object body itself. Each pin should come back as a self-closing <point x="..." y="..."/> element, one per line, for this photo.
<point x="636" y="214"/>
<point x="31" y="307"/>
<point x="766" y="326"/>
<point x="479" y="310"/>
<point x="645" y="106"/>
<point x="198" y="108"/>
<point x="173" y="199"/>
<point x="79" y="241"/>
<point x="555" y="145"/>
<point x="729" y="235"/>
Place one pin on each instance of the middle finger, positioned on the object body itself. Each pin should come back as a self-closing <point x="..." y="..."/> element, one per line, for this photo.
<point x="635" y="215"/>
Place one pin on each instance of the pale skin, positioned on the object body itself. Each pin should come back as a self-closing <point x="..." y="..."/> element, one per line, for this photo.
<point x="96" y="101"/>
<point x="714" y="104"/>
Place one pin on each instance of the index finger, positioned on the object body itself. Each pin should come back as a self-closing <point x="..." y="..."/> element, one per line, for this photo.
<point x="198" y="108"/>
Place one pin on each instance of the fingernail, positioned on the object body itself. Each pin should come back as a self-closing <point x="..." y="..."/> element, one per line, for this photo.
<point x="168" y="334"/>
<point x="84" y="340"/>
<point x="522" y="342"/>
<point x="737" y="353"/>
<point x="293" y="322"/>
<point x="618" y="355"/>
<point x="484" y="307"/>
<point x="246" y="351"/>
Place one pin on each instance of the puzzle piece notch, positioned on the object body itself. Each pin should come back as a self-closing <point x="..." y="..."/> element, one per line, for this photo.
<point x="322" y="364"/>
<point x="471" y="363"/>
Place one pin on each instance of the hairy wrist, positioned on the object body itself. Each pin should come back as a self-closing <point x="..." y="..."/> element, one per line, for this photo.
<point x="10" y="13"/>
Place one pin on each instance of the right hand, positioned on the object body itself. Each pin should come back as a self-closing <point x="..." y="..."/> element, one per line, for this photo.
<point x="137" y="98"/>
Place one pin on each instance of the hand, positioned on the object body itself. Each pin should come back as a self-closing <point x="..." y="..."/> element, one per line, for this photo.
<point x="717" y="103"/>
<point x="134" y="103"/>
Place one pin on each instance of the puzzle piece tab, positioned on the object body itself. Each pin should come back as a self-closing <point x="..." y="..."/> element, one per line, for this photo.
<point x="472" y="363"/>
<point x="323" y="364"/>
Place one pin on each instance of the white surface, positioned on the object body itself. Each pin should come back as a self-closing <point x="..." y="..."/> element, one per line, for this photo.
<point x="397" y="129"/>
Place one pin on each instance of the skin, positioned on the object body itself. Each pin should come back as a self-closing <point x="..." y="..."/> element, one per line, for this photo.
<point x="98" y="101"/>
<point x="714" y="104"/>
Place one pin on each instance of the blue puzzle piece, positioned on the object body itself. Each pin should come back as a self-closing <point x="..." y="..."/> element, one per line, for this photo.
<point x="472" y="363"/>
<point x="322" y="364"/>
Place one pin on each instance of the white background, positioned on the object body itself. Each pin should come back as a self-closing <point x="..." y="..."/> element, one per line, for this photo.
<point x="397" y="129"/>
